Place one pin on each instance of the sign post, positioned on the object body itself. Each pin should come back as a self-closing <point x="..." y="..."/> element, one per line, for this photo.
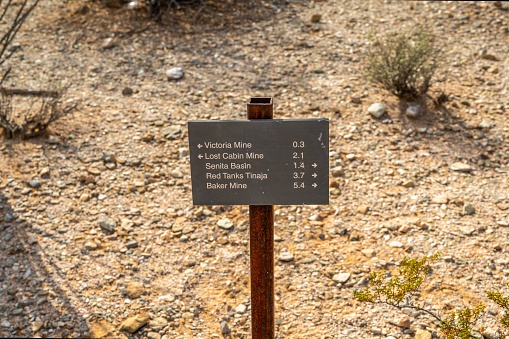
<point x="261" y="244"/>
<point x="260" y="162"/>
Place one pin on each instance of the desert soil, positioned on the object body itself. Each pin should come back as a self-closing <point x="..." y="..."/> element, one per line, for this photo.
<point x="98" y="233"/>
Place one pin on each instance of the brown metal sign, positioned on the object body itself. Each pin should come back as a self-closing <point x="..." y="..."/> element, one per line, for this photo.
<point x="260" y="162"/>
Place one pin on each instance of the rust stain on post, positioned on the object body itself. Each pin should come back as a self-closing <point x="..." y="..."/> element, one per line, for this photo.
<point x="261" y="241"/>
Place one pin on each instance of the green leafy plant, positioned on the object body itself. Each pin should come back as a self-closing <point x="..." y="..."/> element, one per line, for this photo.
<point x="503" y="302"/>
<point x="399" y="292"/>
<point x="404" y="62"/>
<point x="459" y="323"/>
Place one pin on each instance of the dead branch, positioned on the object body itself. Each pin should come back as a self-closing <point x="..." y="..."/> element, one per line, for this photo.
<point x="31" y="93"/>
<point x="19" y="19"/>
<point x="33" y="119"/>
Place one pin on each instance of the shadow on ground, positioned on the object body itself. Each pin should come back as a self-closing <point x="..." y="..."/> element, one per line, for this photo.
<point x="191" y="18"/>
<point x="33" y="300"/>
<point x="473" y="142"/>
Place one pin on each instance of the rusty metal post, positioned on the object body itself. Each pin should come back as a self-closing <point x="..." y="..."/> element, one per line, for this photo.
<point x="261" y="242"/>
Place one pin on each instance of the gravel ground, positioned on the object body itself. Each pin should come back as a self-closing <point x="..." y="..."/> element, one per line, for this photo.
<point x="98" y="234"/>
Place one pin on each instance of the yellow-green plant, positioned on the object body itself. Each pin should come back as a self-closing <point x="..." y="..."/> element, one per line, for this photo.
<point x="404" y="62"/>
<point x="399" y="291"/>
<point x="503" y="302"/>
<point x="459" y="323"/>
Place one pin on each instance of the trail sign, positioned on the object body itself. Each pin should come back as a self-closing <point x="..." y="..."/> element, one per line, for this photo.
<point x="260" y="162"/>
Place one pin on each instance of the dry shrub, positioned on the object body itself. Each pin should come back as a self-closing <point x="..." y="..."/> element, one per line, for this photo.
<point x="404" y="62"/>
<point x="27" y="113"/>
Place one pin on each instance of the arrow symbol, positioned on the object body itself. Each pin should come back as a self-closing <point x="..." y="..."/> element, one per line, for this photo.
<point x="200" y="156"/>
<point x="314" y="175"/>
<point x="200" y="145"/>
<point x="314" y="165"/>
<point x="314" y="185"/>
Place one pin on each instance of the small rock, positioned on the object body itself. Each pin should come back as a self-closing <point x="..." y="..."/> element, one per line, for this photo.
<point x="354" y="236"/>
<point x="225" y="330"/>
<point x="468" y="209"/>
<point x="363" y="282"/>
<point x="34" y="184"/>
<point x="83" y="10"/>
<point x="440" y="199"/>
<point x="153" y="335"/>
<point x="412" y="111"/>
<point x="131" y="244"/>
<point x="158" y="323"/>
<point x="225" y="224"/>
<point x="85" y="197"/>
<point x="109" y="158"/>
<point x="408" y="184"/>
<point x="106" y="223"/>
<point x="316" y="18"/>
<point x="175" y="73"/>
<point x="485" y="124"/>
<point x="183" y="152"/>
<point x="448" y="258"/>
<point x="45" y="173"/>
<point x="341" y="277"/>
<point x="171" y="132"/>
<point x="503" y="223"/>
<point x="108" y="43"/>
<point x="5" y="324"/>
<point x="369" y="252"/>
<point x="356" y="100"/>
<point x="94" y="171"/>
<point x="337" y="172"/>
<point x="52" y="140"/>
<point x="503" y="206"/>
<point x="490" y="333"/>
<point x="404" y="322"/>
<point x="285" y="257"/>
<point x="395" y="244"/>
<point x="147" y="137"/>
<point x="101" y="328"/>
<point x="489" y="57"/>
<point x="467" y="230"/>
<point x="32" y="240"/>
<point x="167" y="298"/>
<point x="460" y="167"/>
<point x="363" y="209"/>
<point x="177" y="228"/>
<point x="176" y="173"/>
<point x="134" y="290"/>
<point x="376" y="110"/>
<point x="422" y="334"/>
<point x="36" y="325"/>
<point x="114" y="4"/>
<point x="404" y="229"/>
<point x="350" y="156"/>
<point x="134" y="323"/>
<point x="91" y="246"/>
<point x="241" y="309"/>
<point x="127" y="91"/>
